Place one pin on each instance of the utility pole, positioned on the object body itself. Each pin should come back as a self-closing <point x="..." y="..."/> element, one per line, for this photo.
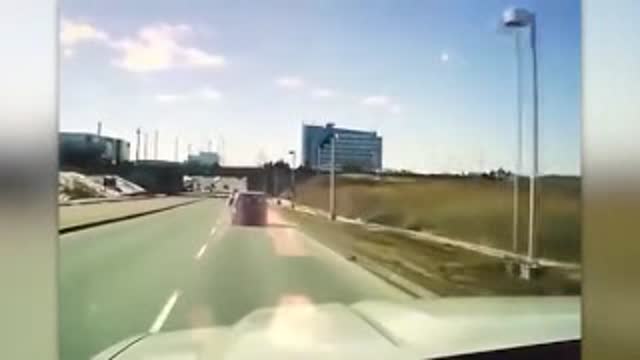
<point x="146" y="145"/>
<point x="332" y="189"/>
<point x="330" y="138"/>
<point x="176" y="150"/>
<point x="533" y="190"/>
<point x="293" y="177"/>
<point x="522" y="18"/>
<point x="518" y="167"/>
<point x="155" y="146"/>
<point x="137" y="144"/>
<point x="99" y="128"/>
<point x="209" y="147"/>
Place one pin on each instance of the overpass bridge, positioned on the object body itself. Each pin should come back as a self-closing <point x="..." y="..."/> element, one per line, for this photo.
<point x="167" y="176"/>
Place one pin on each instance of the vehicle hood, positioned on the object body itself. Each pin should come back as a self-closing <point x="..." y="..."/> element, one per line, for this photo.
<point x="414" y="329"/>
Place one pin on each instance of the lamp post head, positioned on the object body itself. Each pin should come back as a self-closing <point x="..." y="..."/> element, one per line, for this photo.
<point x="517" y="17"/>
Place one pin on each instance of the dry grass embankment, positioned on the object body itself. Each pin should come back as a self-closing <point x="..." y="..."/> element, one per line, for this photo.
<point x="471" y="209"/>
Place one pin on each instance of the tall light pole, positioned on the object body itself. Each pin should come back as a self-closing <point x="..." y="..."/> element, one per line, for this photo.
<point x="176" y="150"/>
<point x="332" y="190"/>
<point x="137" y="144"/>
<point x="293" y="177"/>
<point x="155" y="145"/>
<point x="520" y="18"/>
<point x="518" y="167"/>
<point x="146" y="145"/>
<point x="330" y="138"/>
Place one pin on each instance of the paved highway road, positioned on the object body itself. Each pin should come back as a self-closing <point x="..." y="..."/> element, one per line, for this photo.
<point x="188" y="267"/>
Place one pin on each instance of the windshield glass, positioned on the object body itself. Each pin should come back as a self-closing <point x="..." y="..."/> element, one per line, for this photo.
<point x="406" y="151"/>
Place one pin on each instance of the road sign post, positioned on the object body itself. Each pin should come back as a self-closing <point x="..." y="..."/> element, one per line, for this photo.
<point x="330" y="139"/>
<point x="332" y="189"/>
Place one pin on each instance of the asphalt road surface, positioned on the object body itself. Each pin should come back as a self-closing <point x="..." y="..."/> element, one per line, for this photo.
<point x="188" y="267"/>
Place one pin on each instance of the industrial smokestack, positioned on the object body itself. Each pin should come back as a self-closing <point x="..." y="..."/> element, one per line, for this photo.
<point x="155" y="146"/>
<point x="137" y="144"/>
<point x="146" y="146"/>
<point x="176" y="150"/>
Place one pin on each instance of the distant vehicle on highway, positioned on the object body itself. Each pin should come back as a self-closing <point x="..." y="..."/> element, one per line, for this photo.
<point x="249" y="208"/>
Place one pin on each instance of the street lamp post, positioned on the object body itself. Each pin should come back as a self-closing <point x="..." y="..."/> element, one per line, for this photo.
<point x="293" y="177"/>
<point x="330" y="138"/>
<point x="332" y="190"/>
<point x="518" y="167"/>
<point x="520" y="18"/>
<point x="137" y="144"/>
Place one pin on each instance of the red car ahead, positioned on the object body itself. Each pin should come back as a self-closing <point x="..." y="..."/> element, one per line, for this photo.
<point x="249" y="208"/>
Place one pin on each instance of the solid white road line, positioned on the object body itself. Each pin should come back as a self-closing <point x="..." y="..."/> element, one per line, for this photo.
<point x="213" y="231"/>
<point x="164" y="314"/>
<point x="201" y="251"/>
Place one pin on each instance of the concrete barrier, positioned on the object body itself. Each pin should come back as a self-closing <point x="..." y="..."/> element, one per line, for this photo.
<point x="111" y="219"/>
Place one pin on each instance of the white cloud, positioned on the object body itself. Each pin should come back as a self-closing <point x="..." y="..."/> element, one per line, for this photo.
<point x="197" y="57"/>
<point x="161" y="47"/>
<point x="154" y="47"/>
<point x="395" y="109"/>
<point x="208" y="93"/>
<point x="376" y="101"/>
<point x="382" y="102"/>
<point x="322" y="93"/>
<point x="74" y="32"/>
<point x="290" y="82"/>
<point x="168" y="98"/>
<point x="204" y="94"/>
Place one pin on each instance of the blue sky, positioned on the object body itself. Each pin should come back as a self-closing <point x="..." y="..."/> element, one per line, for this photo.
<point x="436" y="78"/>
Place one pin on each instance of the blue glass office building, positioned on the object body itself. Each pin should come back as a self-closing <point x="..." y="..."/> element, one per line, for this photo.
<point x="354" y="148"/>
